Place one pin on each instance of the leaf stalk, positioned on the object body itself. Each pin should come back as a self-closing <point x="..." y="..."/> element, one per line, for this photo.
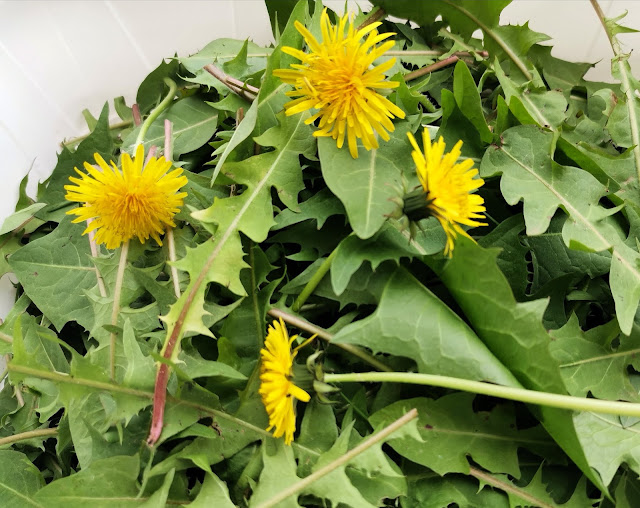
<point x="311" y="286"/>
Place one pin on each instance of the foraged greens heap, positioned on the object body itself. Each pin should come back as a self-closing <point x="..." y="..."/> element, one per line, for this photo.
<point x="379" y="264"/>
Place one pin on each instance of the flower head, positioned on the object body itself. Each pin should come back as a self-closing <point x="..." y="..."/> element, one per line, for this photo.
<point x="135" y="202"/>
<point x="337" y="79"/>
<point x="447" y="188"/>
<point x="276" y="388"/>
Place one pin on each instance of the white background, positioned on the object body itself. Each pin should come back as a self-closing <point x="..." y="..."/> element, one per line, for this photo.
<point x="59" y="57"/>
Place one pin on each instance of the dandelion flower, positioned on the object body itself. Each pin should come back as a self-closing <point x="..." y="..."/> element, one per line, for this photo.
<point x="447" y="189"/>
<point x="135" y="202"/>
<point x="338" y="80"/>
<point x="276" y="388"/>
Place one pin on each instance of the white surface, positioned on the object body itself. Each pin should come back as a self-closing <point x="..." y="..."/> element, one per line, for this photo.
<point x="59" y="57"/>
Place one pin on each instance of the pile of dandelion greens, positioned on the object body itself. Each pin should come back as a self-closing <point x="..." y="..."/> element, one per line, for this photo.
<point x="379" y="264"/>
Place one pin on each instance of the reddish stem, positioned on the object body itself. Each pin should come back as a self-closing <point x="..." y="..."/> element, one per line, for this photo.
<point x="159" y="401"/>
<point x="137" y="117"/>
<point x="152" y="153"/>
<point x="431" y="68"/>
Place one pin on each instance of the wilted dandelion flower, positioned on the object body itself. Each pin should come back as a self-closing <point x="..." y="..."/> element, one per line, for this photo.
<point x="447" y="188"/>
<point x="139" y="201"/>
<point x="337" y="79"/>
<point x="276" y="386"/>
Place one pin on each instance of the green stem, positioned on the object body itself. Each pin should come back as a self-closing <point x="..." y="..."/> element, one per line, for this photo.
<point x="28" y="435"/>
<point x="313" y="283"/>
<point x="488" y="32"/>
<point x="115" y="310"/>
<point x="340" y="461"/>
<point x="621" y="60"/>
<point x="75" y="141"/>
<point x="503" y="392"/>
<point x="326" y="336"/>
<point x="6" y="338"/>
<point x="156" y="112"/>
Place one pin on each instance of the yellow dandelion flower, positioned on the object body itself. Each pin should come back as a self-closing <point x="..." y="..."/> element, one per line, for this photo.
<point x="447" y="189"/>
<point x="276" y="387"/>
<point x="135" y="202"/>
<point x="337" y="79"/>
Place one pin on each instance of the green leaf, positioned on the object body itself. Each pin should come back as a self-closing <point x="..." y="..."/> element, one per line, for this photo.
<point x="456" y="13"/>
<point x="467" y="97"/>
<point x="153" y="88"/>
<point x="439" y="492"/>
<point x="99" y="141"/>
<point x="475" y="281"/>
<point x="318" y="207"/>
<point x="591" y="363"/>
<point x="271" y="98"/>
<point x="194" y="123"/>
<point x="17" y="220"/>
<point x="20" y="480"/>
<point x="412" y="322"/>
<point x="372" y="180"/>
<point x="58" y="264"/>
<point x="140" y="371"/>
<point x="250" y="213"/>
<point x="387" y="244"/>
<point x="531" y="105"/>
<point x="278" y="473"/>
<point x="450" y="431"/>
<point x="214" y="492"/>
<point x="106" y="483"/>
<point x="529" y="174"/>
<point x="518" y="38"/>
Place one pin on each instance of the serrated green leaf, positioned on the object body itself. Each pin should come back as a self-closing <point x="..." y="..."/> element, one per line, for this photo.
<point x="250" y="213"/>
<point x="450" y="431"/>
<point x="439" y="492"/>
<point x="99" y="141"/>
<point x="591" y="363"/>
<point x="318" y="207"/>
<point x="529" y="174"/>
<point x="214" y="492"/>
<point x="387" y="244"/>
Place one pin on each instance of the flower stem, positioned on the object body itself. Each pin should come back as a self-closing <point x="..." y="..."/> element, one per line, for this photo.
<point x="75" y="141"/>
<point x="156" y="112"/>
<point x="94" y="253"/>
<point x="503" y="392"/>
<point x="340" y="461"/>
<point x="313" y="283"/>
<point x="622" y="61"/>
<point x="115" y="310"/>
<point x="326" y="336"/>
<point x="28" y="435"/>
